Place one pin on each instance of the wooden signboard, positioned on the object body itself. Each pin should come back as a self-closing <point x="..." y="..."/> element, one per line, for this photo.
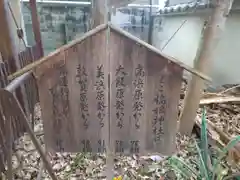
<point x="109" y="91"/>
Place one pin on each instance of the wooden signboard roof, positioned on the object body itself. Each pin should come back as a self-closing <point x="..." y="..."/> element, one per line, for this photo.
<point x="110" y="89"/>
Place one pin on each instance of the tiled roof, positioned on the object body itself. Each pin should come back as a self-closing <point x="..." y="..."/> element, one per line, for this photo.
<point x="180" y="8"/>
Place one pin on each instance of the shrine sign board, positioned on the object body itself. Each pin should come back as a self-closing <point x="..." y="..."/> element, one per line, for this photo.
<point x="101" y="92"/>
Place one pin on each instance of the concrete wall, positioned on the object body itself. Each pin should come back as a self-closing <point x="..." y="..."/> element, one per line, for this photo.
<point x="60" y="24"/>
<point x="184" y="44"/>
<point x="226" y="60"/>
<point x="135" y="24"/>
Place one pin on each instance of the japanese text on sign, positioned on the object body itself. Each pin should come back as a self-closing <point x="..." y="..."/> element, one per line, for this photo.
<point x="101" y="146"/>
<point x="100" y="95"/>
<point x="119" y="146"/>
<point x="60" y="95"/>
<point x="138" y="95"/>
<point x="159" y="111"/>
<point x="120" y="90"/>
<point x="86" y="146"/>
<point x="81" y="78"/>
<point x="134" y="147"/>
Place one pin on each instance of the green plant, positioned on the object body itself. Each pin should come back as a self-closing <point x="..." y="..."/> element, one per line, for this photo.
<point x="207" y="170"/>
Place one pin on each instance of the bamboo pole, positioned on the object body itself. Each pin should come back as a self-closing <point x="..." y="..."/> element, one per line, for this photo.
<point x="211" y="36"/>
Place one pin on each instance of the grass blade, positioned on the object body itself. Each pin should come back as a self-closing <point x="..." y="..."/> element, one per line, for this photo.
<point x="225" y="150"/>
<point x="182" y="166"/>
<point x="204" y="141"/>
<point x="203" y="169"/>
<point x="183" y="173"/>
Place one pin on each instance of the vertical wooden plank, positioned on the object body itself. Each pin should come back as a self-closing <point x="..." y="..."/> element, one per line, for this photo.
<point x="87" y="144"/>
<point x="120" y="95"/>
<point x="74" y="92"/>
<point x="22" y="62"/>
<point x="90" y="111"/>
<point x="3" y="149"/>
<point x="84" y="125"/>
<point x="34" y="57"/>
<point x="4" y="73"/>
<point x="155" y="73"/>
<point x="2" y="76"/>
<point x="55" y="103"/>
<point x="100" y="86"/>
<point x="2" y="163"/>
<point x="174" y="90"/>
<point x="4" y="102"/>
<point x="150" y="112"/>
<point x="162" y="108"/>
<point x="128" y="117"/>
<point x="29" y="84"/>
<point x="138" y="117"/>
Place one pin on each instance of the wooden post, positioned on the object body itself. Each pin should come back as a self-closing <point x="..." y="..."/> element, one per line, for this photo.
<point x="36" y="26"/>
<point x="63" y="34"/>
<point x="99" y="12"/>
<point x="150" y="28"/>
<point x="210" y="38"/>
<point x="101" y="15"/>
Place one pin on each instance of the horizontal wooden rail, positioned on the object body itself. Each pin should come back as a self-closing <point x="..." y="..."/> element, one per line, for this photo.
<point x="11" y="87"/>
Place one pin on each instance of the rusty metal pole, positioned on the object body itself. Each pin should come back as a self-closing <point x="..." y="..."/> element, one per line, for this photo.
<point x="36" y="26"/>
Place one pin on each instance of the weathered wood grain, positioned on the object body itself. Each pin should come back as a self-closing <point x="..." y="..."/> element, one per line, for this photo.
<point x="151" y="84"/>
<point x="82" y="113"/>
<point x="29" y="55"/>
<point x="11" y="125"/>
<point x="138" y="114"/>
